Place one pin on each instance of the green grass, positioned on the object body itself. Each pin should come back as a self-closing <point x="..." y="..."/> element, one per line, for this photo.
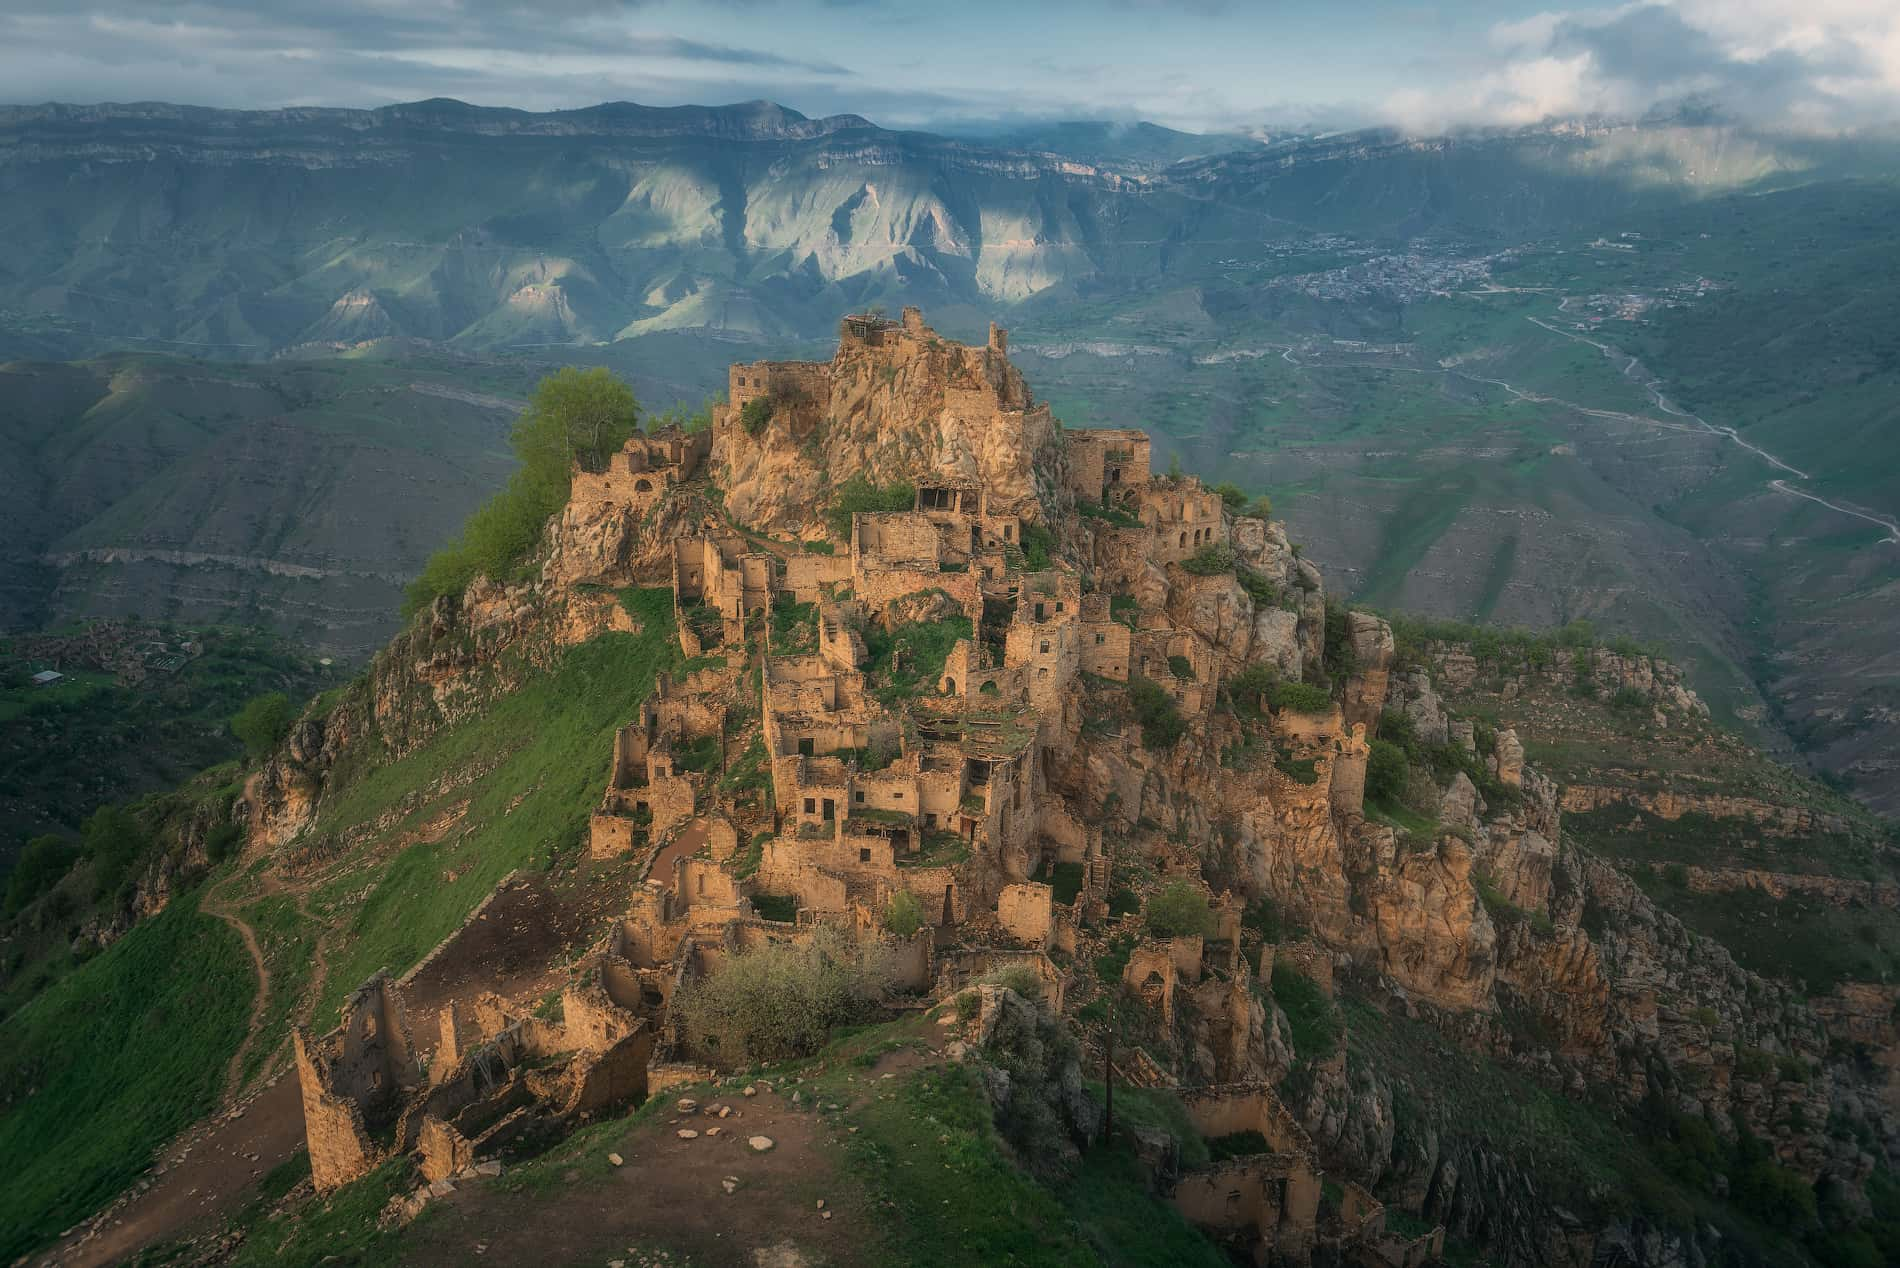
<point x="933" y="1154"/>
<point x="289" y="946"/>
<point x="546" y="748"/>
<point x="338" y="1229"/>
<point x="111" y="1062"/>
<point x="1311" y="1017"/>
<point x="910" y="660"/>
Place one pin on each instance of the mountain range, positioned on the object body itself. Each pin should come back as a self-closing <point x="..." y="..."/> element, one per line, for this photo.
<point x="1629" y="373"/>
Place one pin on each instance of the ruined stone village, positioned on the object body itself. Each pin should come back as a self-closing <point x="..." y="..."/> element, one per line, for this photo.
<point x="952" y="795"/>
<point x="996" y="795"/>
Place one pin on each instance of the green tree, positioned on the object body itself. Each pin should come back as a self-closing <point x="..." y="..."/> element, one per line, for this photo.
<point x="1179" y="909"/>
<point x="905" y="915"/>
<point x="262" y="722"/>
<point x="40" y="866"/>
<point x="1386" y="773"/>
<point x="577" y="417"/>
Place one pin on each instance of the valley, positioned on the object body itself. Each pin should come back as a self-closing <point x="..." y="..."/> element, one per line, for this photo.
<point x="1408" y="342"/>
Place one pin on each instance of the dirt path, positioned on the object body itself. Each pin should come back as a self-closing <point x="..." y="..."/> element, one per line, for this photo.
<point x="234" y="1071"/>
<point x="208" y="1168"/>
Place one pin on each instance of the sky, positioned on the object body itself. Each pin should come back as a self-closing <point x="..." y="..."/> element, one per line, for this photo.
<point x="1198" y="65"/>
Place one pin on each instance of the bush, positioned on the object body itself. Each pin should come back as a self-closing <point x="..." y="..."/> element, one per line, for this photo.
<point x="1179" y="910"/>
<point x="1232" y="496"/>
<point x="1300" y="697"/>
<point x="1162" y="725"/>
<point x="780" y="1001"/>
<point x="1263" y="592"/>
<point x="1039" y="546"/>
<point x="905" y="915"/>
<point x="1387" y="773"/>
<point x="1210" y="561"/>
<point x="1181" y="667"/>
<point x="1339" y="659"/>
<point x="755" y="415"/>
<point x="263" y="722"/>
<point x="859" y="495"/>
<point x="1019" y="978"/>
<point x="1311" y="1018"/>
<point x="41" y="865"/>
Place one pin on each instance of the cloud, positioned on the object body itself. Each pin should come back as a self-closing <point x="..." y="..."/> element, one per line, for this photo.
<point x="1800" y="64"/>
<point x="284" y="52"/>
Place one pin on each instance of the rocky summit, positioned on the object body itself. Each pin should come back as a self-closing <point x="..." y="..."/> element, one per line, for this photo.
<point x="888" y="825"/>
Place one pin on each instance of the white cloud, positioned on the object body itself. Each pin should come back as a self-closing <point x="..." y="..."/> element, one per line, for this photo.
<point x="1811" y="65"/>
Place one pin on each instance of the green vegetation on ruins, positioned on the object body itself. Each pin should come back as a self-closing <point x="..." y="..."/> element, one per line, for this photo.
<point x="576" y="416"/>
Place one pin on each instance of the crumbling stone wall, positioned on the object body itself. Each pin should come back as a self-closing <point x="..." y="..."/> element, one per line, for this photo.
<point x="1026" y="912"/>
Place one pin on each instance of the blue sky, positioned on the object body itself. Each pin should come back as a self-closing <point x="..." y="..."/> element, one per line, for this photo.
<point x="1194" y="64"/>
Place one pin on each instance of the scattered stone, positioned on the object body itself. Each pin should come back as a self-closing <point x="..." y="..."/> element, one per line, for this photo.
<point x="750" y="1091"/>
<point x="761" y="1143"/>
<point x="441" y="1188"/>
<point x="687" y="1105"/>
<point x="616" y="1159"/>
<point x="712" y="1131"/>
<point x="821" y="1204"/>
<point x="489" y="1168"/>
<point x="729" y="1184"/>
<point x="825" y="1215"/>
<point x="687" y="1133"/>
<point x="725" y="1111"/>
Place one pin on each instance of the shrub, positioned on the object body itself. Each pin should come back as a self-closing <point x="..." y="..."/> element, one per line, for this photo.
<point x="40" y="866"/>
<point x="1232" y="496"/>
<point x="1210" y="560"/>
<point x="263" y="722"/>
<point x="1162" y="725"/>
<point x="755" y="415"/>
<point x="1311" y="1018"/>
<point x="858" y="495"/>
<point x="1039" y="546"/>
<point x="1629" y="700"/>
<point x="1339" y="658"/>
<point x="1261" y="508"/>
<point x="1300" y="697"/>
<point x="905" y="915"/>
<point x="1178" y="910"/>
<point x="1181" y="667"/>
<point x="780" y="1001"/>
<point x="1263" y="592"/>
<point x="1387" y="773"/>
<point x="1019" y="978"/>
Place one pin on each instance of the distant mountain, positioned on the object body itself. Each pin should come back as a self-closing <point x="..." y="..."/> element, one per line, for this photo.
<point x="243" y="233"/>
<point x="1422" y="345"/>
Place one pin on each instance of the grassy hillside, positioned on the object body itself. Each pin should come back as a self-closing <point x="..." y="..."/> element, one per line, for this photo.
<point x="112" y="1060"/>
<point x="106" y="1066"/>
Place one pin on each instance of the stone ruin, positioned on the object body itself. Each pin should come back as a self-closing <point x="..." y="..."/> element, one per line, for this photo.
<point x="942" y="798"/>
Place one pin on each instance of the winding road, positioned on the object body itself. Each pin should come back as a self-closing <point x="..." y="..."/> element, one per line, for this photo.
<point x="1632" y="370"/>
